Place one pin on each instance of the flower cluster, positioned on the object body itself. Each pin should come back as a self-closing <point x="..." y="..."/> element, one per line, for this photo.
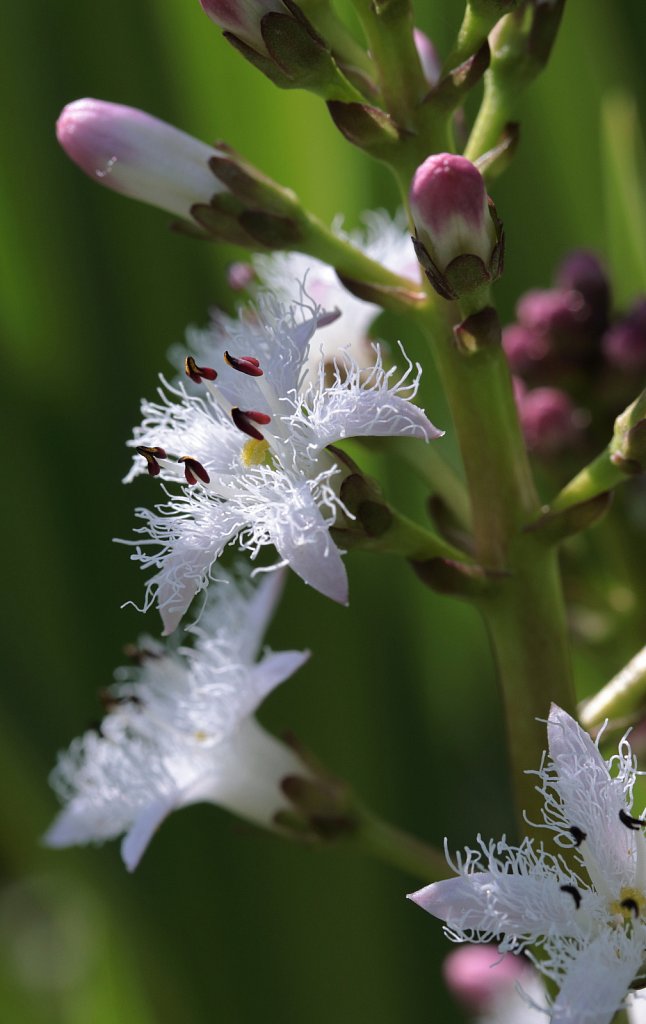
<point x="574" y="363"/>
<point x="580" y="914"/>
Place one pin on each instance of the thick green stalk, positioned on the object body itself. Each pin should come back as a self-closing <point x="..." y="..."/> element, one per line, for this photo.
<point x="389" y="844"/>
<point x="523" y="607"/>
<point x="388" y="26"/>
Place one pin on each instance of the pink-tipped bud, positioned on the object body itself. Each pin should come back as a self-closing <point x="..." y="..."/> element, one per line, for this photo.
<point x="240" y="275"/>
<point x="583" y="272"/>
<point x="624" y="345"/>
<point x="242" y="17"/>
<point x="552" y="311"/>
<point x="524" y="349"/>
<point x="459" y="239"/>
<point x="549" y="419"/>
<point x="479" y="977"/>
<point x="428" y="57"/>
<point x="136" y="154"/>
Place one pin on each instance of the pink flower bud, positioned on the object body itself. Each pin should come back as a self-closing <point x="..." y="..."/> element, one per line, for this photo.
<point x="552" y="311"/>
<point x="525" y="349"/>
<point x="428" y="57"/>
<point x="583" y="272"/>
<point x="478" y="975"/>
<point x="459" y="238"/>
<point x="624" y="345"/>
<point x="242" y="17"/>
<point x="549" y="420"/>
<point x="136" y="154"/>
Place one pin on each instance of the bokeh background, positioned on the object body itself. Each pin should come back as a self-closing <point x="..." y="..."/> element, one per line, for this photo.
<point x="221" y="923"/>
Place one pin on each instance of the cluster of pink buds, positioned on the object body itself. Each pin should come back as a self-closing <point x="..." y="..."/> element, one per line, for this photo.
<point x="573" y="362"/>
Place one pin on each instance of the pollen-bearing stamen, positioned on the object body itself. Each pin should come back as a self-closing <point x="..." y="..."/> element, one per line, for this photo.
<point x="244" y="420"/>
<point x="198" y="373"/>
<point x="573" y="892"/>
<point x="152" y="457"/>
<point x="632" y="823"/>
<point x="244" y="364"/>
<point x="194" y="471"/>
<point x="577" y="834"/>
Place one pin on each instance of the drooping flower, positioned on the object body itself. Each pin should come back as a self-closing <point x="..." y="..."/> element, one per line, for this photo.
<point x="252" y="452"/>
<point x="180" y="730"/>
<point x="580" y="913"/>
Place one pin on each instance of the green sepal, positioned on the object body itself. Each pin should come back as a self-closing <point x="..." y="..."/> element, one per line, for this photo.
<point x="367" y="127"/>
<point x="451" y="91"/>
<point x="554" y="527"/>
<point x="272" y="231"/>
<point x="397" y="300"/>
<point x="251" y="186"/>
<point x="497" y="159"/>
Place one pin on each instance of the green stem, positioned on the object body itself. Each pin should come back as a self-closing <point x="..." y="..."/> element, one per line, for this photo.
<point x="325" y="245"/>
<point x="391" y="845"/>
<point x="471" y="35"/>
<point x="494" y="113"/>
<point x="623" y="695"/>
<point x="431" y="467"/>
<point x="388" y="26"/>
<point x="599" y="476"/>
<point x="523" y="606"/>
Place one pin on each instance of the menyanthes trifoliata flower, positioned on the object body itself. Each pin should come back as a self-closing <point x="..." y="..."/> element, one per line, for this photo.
<point x="180" y="730"/>
<point x="581" y="914"/>
<point x="250" y="444"/>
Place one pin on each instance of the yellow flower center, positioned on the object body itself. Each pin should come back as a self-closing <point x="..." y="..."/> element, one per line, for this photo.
<point x="255" y="453"/>
<point x="630" y="905"/>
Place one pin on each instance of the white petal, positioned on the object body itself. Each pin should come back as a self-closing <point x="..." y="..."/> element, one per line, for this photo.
<point x="592" y="801"/>
<point x="247" y="773"/>
<point x="597" y="979"/>
<point x="274" y="669"/>
<point x="259" y="612"/>
<point x="316" y="559"/>
<point x="523" y="907"/>
<point x="134" y="843"/>
<point x="367" y="412"/>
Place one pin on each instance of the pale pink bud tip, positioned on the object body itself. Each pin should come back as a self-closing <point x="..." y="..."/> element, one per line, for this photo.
<point x="137" y="154"/>
<point x="459" y="239"/>
<point x="549" y="420"/>
<point x="478" y="975"/>
<point x="447" y="186"/>
<point x="242" y="17"/>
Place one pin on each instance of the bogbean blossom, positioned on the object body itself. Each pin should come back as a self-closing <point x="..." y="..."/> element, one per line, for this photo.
<point x="180" y="730"/>
<point x="582" y="911"/>
<point x="249" y="441"/>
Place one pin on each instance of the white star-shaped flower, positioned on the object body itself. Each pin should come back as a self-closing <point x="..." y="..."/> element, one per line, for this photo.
<point x="582" y="912"/>
<point x="181" y="731"/>
<point x="251" y="444"/>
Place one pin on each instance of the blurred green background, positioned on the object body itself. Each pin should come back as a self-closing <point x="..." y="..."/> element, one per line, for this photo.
<point x="221" y="923"/>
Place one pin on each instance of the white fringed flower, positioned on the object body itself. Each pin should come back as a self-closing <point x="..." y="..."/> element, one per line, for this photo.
<point x="384" y="240"/>
<point x="181" y="731"/>
<point x="252" y="449"/>
<point x="583" y="912"/>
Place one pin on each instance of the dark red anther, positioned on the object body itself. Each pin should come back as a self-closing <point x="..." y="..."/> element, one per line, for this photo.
<point x="244" y="420"/>
<point x="151" y="455"/>
<point x="194" y="471"/>
<point x="198" y="373"/>
<point x="245" y="364"/>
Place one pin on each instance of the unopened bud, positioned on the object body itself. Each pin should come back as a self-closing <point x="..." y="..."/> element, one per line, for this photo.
<point x="242" y="17"/>
<point x="459" y="239"/>
<point x="553" y="311"/>
<point x="549" y="419"/>
<point x="478" y="976"/>
<point x="525" y="349"/>
<point x="624" y="345"/>
<point x="583" y="272"/>
<point x="134" y="153"/>
<point x="428" y="57"/>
